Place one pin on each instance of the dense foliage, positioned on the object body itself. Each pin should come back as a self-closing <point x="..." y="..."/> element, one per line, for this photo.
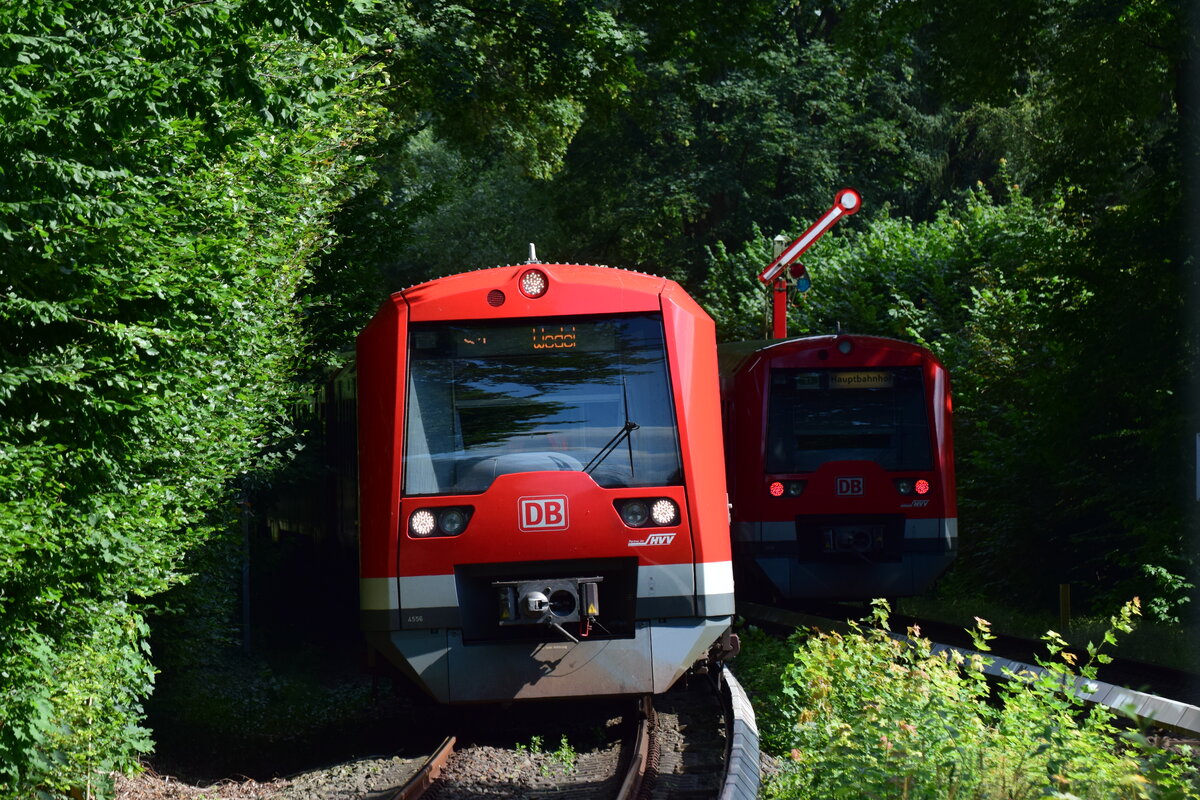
<point x="156" y="226"/>
<point x="866" y="715"/>
<point x="993" y="288"/>
<point x="201" y="201"/>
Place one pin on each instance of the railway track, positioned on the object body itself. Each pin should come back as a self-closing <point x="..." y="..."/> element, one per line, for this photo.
<point x="697" y="742"/>
<point x="1162" y="697"/>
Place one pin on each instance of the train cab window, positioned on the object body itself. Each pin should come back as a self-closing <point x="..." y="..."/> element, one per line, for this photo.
<point x="586" y="394"/>
<point x="821" y="415"/>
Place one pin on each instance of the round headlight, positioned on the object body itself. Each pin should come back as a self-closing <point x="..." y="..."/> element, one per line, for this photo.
<point x="664" y="512"/>
<point x="452" y="521"/>
<point x="635" y="513"/>
<point x="422" y="523"/>
<point x="534" y="283"/>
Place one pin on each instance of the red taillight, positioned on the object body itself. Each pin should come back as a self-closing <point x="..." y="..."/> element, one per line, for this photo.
<point x="788" y="488"/>
<point x="922" y="486"/>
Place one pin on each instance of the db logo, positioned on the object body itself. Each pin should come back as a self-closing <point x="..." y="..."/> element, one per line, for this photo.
<point x="849" y="487"/>
<point x="542" y="513"/>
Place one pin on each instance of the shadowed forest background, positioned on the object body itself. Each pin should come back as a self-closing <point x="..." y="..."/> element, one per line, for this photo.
<point x="202" y="203"/>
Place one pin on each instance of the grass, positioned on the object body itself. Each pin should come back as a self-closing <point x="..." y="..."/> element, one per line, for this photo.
<point x="565" y="756"/>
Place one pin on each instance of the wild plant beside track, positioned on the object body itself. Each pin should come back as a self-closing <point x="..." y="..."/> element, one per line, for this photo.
<point x="866" y="715"/>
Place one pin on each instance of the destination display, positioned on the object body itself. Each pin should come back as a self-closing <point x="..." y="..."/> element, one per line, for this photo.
<point x="862" y="379"/>
<point x="508" y="339"/>
<point x="802" y="380"/>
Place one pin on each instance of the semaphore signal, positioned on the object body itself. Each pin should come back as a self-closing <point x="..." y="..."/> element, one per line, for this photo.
<point x="846" y="202"/>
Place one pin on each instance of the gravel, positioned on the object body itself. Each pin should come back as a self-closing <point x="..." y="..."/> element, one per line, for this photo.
<point x="361" y="778"/>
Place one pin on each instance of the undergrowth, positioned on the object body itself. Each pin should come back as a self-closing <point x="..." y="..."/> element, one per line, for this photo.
<point x="1155" y="640"/>
<point x="868" y="715"/>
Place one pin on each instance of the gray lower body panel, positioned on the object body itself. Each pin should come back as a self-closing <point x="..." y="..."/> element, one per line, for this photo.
<point x="650" y="662"/>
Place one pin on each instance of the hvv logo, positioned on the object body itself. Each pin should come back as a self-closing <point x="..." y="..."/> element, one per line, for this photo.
<point x="654" y="539"/>
<point x="546" y="513"/>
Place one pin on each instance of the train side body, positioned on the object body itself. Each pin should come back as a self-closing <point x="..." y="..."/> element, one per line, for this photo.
<point x="502" y="439"/>
<point x="840" y="466"/>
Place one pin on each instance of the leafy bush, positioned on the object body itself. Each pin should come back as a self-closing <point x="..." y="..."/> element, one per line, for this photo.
<point x="155" y="225"/>
<point x="867" y="715"/>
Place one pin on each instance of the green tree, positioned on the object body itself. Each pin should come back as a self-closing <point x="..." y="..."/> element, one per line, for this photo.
<point x="741" y="115"/>
<point x="484" y="98"/>
<point x="1090" y="101"/>
<point x="699" y="123"/>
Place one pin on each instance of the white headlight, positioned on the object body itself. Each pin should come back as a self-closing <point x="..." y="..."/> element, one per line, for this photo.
<point x="422" y="523"/>
<point x="664" y="512"/>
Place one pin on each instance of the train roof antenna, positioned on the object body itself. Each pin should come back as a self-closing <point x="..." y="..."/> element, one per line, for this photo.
<point x="533" y="259"/>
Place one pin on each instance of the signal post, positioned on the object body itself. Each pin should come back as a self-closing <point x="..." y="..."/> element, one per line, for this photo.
<point x="845" y="203"/>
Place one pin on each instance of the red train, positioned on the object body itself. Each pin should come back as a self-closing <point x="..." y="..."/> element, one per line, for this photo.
<point x="841" y="466"/>
<point x="542" y="510"/>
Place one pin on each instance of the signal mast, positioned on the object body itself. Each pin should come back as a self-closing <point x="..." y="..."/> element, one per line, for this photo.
<point x="846" y="202"/>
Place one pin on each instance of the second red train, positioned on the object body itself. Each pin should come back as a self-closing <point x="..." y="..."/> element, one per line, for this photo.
<point x="840" y="466"/>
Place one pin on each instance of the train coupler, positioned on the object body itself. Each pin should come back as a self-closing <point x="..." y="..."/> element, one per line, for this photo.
<point x="548" y="602"/>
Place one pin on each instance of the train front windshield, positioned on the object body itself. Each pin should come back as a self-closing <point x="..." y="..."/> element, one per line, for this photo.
<point x="821" y="415"/>
<point x="587" y="394"/>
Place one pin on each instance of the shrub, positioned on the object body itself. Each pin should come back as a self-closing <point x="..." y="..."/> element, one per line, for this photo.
<point x="869" y="715"/>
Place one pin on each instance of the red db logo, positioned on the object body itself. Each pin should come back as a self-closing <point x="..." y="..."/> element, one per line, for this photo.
<point x="850" y="487"/>
<point x="542" y="513"/>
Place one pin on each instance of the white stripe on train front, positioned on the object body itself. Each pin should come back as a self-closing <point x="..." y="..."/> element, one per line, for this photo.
<point x="440" y="591"/>
<point x="383" y="594"/>
<point x="714" y="577"/>
<point x="945" y="529"/>
<point x="378" y="594"/>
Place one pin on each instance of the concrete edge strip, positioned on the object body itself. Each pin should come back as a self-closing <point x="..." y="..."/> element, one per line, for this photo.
<point x="1149" y="708"/>
<point x="743" y="774"/>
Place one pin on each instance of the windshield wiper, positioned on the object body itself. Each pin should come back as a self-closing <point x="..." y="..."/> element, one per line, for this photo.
<point x="612" y="444"/>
